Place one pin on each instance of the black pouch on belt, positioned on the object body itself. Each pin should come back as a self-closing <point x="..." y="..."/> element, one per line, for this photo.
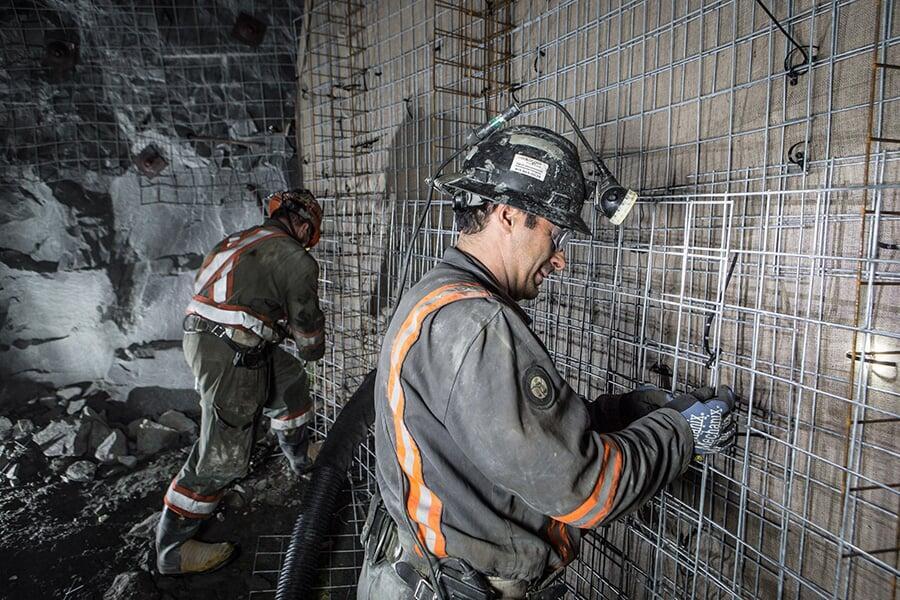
<point x="251" y="358"/>
<point x="244" y="357"/>
<point x="379" y="533"/>
<point x="459" y="580"/>
<point x="552" y="587"/>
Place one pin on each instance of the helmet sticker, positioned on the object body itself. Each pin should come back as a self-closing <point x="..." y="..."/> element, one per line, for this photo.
<point x="529" y="166"/>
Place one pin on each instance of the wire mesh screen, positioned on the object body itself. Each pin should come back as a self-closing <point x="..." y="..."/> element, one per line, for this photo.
<point x="342" y="552"/>
<point x="763" y="253"/>
<point x="197" y="100"/>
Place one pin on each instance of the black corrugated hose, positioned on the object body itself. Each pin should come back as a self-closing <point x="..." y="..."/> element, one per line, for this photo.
<point x="298" y="572"/>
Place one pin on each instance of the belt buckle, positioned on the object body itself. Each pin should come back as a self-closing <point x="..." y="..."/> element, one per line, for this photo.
<point x="423" y="591"/>
<point x="192" y="324"/>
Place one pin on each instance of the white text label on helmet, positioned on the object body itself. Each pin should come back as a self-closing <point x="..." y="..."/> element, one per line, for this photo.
<point x="529" y="166"/>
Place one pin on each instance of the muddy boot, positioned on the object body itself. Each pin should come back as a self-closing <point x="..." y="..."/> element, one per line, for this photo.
<point x="295" y="445"/>
<point x="178" y="554"/>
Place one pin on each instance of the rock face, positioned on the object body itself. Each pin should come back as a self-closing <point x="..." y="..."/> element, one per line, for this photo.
<point x="125" y="166"/>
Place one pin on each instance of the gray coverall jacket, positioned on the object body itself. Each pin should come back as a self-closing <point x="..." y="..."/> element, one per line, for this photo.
<point x="255" y="282"/>
<point x="499" y="463"/>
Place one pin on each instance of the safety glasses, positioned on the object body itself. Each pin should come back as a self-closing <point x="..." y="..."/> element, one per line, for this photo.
<point x="560" y="238"/>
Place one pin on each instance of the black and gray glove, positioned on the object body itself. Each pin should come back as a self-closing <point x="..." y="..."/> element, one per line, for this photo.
<point x="614" y="412"/>
<point x="709" y="414"/>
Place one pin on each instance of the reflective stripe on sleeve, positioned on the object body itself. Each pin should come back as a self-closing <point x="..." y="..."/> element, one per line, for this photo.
<point x="600" y="501"/>
<point x="422" y="504"/>
<point x="305" y="341"/>
<point x="190" y="504"/>
<point x="291" y="421"/>
<point x="559" y="538"/>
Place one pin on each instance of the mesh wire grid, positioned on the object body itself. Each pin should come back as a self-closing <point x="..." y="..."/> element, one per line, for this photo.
<point x="690" y="103"/>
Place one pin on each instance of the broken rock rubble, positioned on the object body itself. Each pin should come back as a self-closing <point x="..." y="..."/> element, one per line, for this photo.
<point x="81" y="471"/>
<point x="113" y="447"/>
<point x="81" y="431"/>
<point x="153" y="437"/>
<point x="64" y="437"/>
<point x="180" y="422"/>
<point x="22" y="429"/>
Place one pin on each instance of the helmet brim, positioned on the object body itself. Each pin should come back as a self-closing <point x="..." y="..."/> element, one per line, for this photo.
<point x="452" y="182"/>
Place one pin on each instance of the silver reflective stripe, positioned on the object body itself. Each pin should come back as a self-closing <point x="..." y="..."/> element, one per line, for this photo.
<point x="305" y="341"/>
<point x="281" y="424"/>
<point x="233" y="317"/>
<point x="184" y="502"/>
<point x="204" y="277"/>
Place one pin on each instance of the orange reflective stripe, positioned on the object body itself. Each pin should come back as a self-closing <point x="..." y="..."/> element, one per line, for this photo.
<point x="559" y="538"/>
<point x="423" y="505"/>
<point x="194" y="495"/>
<point x="593" y="498"/>
<point x="226" y="258"/>
<point x="610" y="498"/>
<point x="229" y="244"/>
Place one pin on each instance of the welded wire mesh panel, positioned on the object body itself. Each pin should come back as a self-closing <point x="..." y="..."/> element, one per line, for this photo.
<point x="339" y="162"/>
<point x="763" y="254"/>
<point x="739" y="267"/>
<point x="342" y="554"/>
<point x="195" y="100"/>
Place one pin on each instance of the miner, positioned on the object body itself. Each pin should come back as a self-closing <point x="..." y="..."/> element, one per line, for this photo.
<point x="488" y="463"/>
<point x="255" y="289"/>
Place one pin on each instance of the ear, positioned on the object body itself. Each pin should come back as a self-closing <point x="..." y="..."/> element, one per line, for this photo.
<point x="506" y="217"/>
<point x="300" y="228"/>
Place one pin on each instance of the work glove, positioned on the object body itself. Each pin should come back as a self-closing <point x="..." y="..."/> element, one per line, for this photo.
<point x="614" y="412"/>
<point x="642" y="401"/>
<point x="709" y="414"/>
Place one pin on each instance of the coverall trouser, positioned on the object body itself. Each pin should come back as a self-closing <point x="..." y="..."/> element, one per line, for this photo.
<point x="231" y="400"/>
<point x="381" y="581"/>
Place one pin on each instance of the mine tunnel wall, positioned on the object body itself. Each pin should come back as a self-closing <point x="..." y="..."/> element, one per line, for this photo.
<point x="97" y="250"/>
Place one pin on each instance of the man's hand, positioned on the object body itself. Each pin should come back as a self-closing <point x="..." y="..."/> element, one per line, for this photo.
<point x="643" y="401"/>
<point x="613" y="412"/>
<point x="709" y="414"/>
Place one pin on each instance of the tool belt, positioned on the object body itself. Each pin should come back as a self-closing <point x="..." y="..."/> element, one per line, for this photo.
<point x="245" y="355"/>
<point x="459" y="580"/>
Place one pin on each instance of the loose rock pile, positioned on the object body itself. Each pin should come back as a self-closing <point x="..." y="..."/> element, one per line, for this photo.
<point x="69" y="435"/>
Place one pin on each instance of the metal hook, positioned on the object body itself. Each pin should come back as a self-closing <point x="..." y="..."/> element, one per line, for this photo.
<point x="540" y="54"/>
<point x="794" y="71"/>
<point x="797" y="156"/>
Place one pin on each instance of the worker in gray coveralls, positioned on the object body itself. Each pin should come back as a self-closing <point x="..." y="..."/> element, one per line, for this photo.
<point x="255" y="288"/>
<point x="488" y="463"/>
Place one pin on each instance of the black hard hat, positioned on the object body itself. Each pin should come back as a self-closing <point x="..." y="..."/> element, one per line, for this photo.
<point x="531" y="168"/>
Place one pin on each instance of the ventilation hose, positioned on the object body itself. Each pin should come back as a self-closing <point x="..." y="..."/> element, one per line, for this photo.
<point x="298" y="572"/>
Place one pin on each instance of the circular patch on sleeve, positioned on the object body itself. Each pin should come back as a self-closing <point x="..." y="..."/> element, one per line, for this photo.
<point x="538" y="388"/>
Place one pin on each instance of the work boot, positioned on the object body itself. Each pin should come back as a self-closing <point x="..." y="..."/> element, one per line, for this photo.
<point x="178" y="554"/>
<point x="295" y="445"/>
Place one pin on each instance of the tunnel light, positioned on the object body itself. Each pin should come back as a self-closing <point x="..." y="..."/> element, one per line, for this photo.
<point x="880" y="359"/>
